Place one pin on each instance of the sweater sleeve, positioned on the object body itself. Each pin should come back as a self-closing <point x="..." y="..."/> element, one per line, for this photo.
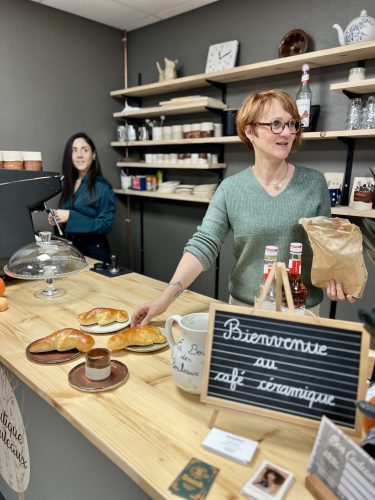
<point x="101" y="222"/>
<point x="325" y="203"/>
<point x="210" y="235"/>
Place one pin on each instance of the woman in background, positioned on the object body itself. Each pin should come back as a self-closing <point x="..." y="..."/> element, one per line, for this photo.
<point x="87" y="204"/>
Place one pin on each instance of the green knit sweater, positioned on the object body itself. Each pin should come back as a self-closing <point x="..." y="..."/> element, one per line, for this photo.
<point x="257" y="219"/>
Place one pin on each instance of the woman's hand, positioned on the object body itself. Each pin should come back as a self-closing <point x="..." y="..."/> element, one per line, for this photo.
<point x="61" y="215"/>
<point x="336" y="292"/>
<point x="145" y="312"/>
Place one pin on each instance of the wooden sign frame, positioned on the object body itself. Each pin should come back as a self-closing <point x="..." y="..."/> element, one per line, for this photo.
<point x="292" y="321"/>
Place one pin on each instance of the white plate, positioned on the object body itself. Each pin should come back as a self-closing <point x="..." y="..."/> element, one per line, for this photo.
<point x="146" y="348"/>
<point x="112" y="327"/>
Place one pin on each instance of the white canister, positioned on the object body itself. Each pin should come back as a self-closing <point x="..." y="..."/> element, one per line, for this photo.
<point x="13" y="160"/>
<point x="126" y="180"/>
<point x="166" y="133"/>
<point x="176" y="132"/>
<point x="356" y="74"/>
<point x="218" y="129"/>
<point x="156" y="133"/>
<point x="32" y="160"/>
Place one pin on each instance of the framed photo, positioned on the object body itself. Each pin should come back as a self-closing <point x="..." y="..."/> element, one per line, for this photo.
<point x="269" y="482"/>
<point x="361" y="181"/>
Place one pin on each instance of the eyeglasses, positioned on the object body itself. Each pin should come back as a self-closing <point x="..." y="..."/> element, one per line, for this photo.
<point x="278" y="126"/>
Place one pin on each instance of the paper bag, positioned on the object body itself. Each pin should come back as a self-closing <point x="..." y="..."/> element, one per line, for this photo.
<point x="337" y="253"/>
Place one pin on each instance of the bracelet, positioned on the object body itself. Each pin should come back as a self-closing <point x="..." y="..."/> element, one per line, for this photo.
<point x="176" y="283"/>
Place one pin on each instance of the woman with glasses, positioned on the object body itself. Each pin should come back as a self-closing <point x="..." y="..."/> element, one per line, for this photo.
<point x="261" y="205"/>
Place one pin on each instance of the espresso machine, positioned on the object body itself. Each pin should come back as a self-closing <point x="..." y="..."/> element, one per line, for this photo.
<point x="21" y="193"/>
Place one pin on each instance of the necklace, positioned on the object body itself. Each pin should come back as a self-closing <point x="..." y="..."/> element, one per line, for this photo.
<point x="276" y="185"/>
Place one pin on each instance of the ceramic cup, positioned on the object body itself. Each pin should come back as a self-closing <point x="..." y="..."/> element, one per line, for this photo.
<point x="334" y="194"/>
<point x="98" y="364"/>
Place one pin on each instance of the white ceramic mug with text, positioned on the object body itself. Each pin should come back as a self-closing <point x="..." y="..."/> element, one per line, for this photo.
<point x="188" y="352"/>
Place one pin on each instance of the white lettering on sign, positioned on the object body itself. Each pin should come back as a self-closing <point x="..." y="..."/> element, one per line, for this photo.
<point x="266" y="363"/>
<point x="234" y="332"/>
<point x="14" y="451"/>
<point x="359" y="463"/>
<point x="234" y="379"/>
<point x="297" y="392"/>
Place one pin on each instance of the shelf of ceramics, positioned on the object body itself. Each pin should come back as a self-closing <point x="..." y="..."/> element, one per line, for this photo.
<point x="189" y="166"/>
<point x="163" y="196"/>
<point x="359" y="87"/>
<point x="320" y="58"/>
<point x="233" y="139"/>
<point x="351" y="212"/>
<point x="176" y="142"/>
<point x="167" y="111"/>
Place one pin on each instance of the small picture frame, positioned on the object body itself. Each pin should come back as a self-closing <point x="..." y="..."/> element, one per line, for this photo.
<point x="269" y="482"/>
<point x="361" y="181"/>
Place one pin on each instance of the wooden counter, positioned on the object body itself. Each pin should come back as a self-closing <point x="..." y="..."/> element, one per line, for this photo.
<point x="147" y="426"/>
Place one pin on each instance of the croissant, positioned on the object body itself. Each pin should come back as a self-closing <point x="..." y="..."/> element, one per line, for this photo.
<point x="102" y="316"/>
<point x="138" y="335"/>
<point x="64" y="340"/>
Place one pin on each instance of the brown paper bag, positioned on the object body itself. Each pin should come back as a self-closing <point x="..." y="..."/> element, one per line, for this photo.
<point x="337" y="253"/>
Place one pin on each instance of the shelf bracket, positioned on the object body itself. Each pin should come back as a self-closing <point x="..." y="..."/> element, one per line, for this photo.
<point x="221" y="86"/>
<point x="350" y="142"/>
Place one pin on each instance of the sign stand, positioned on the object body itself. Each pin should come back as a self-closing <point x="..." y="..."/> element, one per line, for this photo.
<point x="278" y="269"/>
<point x="318" y="488"/>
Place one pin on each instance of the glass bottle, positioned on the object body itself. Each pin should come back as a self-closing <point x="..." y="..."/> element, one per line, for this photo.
<point x="354" y="116"/>
<point x="298" y="289"/>
<point x="303" y="97"/>
<point x="269" y="302"/>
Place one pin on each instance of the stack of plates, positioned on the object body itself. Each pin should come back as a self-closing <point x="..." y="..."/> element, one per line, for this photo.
<point x="205" y="190"/>
<point x="168" y="187"/>
<point x="185" y="188"/>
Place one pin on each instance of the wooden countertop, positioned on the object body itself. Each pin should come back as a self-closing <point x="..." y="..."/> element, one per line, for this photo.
<point x="148" y="427"/>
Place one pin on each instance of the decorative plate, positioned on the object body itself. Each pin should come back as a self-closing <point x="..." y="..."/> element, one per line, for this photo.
<point x="112" y="327"/>
<point x="146" y="348"/>
<point x="295" y="42"/>
<point x="51" y="357"/>
<point x="77" y="378"/>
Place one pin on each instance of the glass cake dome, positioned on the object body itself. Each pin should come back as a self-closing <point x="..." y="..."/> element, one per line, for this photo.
<point x="46" y="259"/>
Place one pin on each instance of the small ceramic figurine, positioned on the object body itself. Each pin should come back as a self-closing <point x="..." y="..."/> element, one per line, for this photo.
<point x="360" y="29"/>
<point x="169" y="72"/>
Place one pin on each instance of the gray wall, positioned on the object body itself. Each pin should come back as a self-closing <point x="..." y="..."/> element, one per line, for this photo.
<point x="259" y="27"/>
<point x="57" y="71"/>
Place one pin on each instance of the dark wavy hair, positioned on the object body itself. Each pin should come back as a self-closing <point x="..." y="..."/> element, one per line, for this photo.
<point x="70" y="173"/>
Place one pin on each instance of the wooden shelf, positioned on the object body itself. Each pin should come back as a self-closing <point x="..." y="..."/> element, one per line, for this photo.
<point x="360" y="87"/>
<point x="167" y="111"/>
<point x="189" y="166"/>
<point x="348" y="211"/>
<point x="163" y="196"/>
<point x="233" y="139"/>
<point x="320" y="58"/>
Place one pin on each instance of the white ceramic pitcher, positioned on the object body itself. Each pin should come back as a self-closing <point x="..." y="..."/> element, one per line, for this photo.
<point x="188" y="352"/>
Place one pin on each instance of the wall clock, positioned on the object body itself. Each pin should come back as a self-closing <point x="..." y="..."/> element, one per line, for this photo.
<point x="222" y="56"/>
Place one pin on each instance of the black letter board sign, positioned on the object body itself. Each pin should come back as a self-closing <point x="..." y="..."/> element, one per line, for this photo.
<point x="288" y="367"/>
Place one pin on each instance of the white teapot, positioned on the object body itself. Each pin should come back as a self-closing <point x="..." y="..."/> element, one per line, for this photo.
<point x="360" y="29"/>
<point x="188" y="352"/>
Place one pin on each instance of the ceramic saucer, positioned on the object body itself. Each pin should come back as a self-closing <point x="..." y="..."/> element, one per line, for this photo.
<point x="146" y="348"/>
<point x="77" y="378"/>
<point x="51" y="357"/>
<point x="112" y="327"/>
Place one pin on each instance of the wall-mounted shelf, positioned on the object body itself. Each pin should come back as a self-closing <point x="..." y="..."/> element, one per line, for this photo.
<point x="233" y="139"/>
<point x="163" y="196"/>
<point x="178" y="166"/>
<point x="360" y="87"/>
<point x="319" y="58"/>
<point x="351" y="212"/>
<point x="167" y="111"/>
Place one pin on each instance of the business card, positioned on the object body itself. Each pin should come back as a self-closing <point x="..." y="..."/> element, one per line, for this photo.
<point x="230" y="445"/>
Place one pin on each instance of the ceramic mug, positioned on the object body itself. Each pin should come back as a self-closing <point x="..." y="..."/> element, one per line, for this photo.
<point x="188" y="352"/>
<point x="334" y="194"/>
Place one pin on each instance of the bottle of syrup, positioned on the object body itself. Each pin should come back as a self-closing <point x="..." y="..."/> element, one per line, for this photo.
<point x="269" y="302"/>
<point x="298" y="289"/>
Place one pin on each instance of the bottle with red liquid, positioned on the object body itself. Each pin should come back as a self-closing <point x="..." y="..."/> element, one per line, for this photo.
<point x="269" y="302"/>
<point x="298" y="289"/>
